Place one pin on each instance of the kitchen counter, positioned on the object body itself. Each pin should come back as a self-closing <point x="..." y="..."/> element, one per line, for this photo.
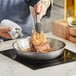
<point x="9" y="67"/>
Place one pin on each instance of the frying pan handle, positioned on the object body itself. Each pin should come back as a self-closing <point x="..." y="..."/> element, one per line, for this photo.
<point x="38" y="24"/>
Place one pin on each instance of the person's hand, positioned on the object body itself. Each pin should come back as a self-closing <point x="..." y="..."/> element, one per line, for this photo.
<point x="41" y="7"/>
<point x="4" y="32"/>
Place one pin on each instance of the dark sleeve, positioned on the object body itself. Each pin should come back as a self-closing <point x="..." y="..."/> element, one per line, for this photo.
<point x="32" y="2"/>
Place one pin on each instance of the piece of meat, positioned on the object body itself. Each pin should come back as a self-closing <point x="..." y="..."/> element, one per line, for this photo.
<point x="40" y="43"/>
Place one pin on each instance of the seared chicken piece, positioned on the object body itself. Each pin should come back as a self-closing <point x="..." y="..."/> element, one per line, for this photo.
<point x="40" y="43"/>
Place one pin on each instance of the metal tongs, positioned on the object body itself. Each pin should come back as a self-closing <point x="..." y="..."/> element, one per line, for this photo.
<point x="38" y="24"/>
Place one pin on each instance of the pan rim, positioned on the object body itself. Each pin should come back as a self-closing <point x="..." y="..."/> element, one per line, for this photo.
<point x="47" y="52"/>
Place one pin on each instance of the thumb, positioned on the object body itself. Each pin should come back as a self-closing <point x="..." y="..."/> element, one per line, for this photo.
<point x="39" y="6"/>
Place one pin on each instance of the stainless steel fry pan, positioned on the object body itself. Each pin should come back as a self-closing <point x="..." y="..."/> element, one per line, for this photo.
<point x="57" y="49"/>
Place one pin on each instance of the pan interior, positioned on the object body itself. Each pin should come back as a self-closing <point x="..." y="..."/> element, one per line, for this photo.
<point x="54" y="44"/>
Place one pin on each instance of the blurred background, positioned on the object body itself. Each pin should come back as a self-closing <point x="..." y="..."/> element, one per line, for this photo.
<point x="57" y="12"/>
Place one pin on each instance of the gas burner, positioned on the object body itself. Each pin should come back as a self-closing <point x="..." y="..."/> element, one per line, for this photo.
<point x="66" y="57"/>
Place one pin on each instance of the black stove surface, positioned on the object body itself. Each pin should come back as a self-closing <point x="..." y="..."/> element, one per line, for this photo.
<point x="66" y="57"/>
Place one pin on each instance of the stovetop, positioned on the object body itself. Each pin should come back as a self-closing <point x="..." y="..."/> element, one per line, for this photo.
<point x="66" y="57"/>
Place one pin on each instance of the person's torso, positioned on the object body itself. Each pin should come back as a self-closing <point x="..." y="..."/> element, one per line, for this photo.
<point x="16" y="10"/>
